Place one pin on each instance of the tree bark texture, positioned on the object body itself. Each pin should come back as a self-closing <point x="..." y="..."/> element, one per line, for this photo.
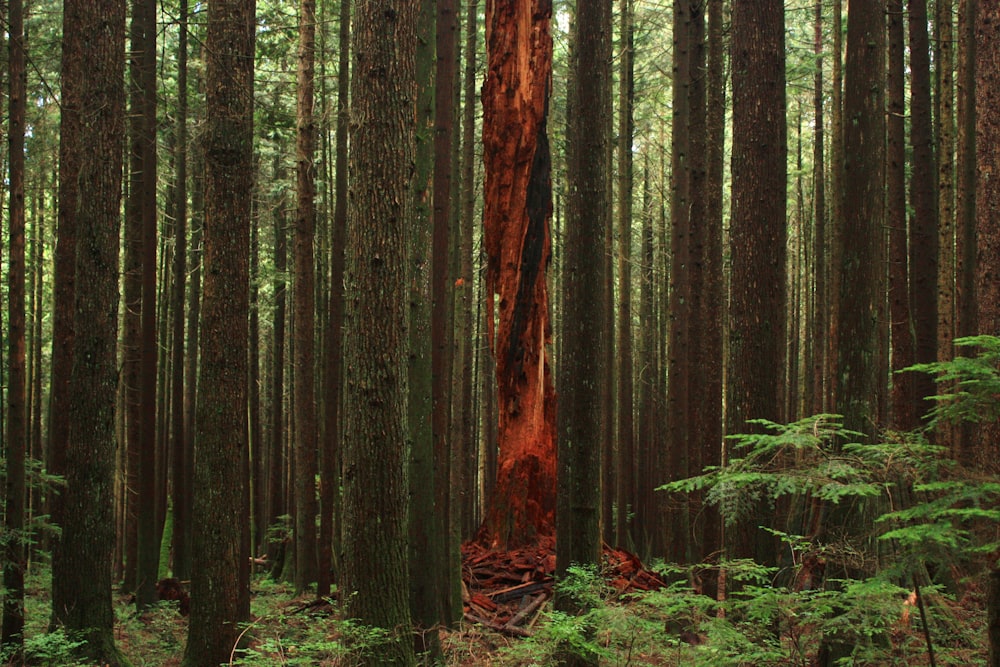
<point x="306" y="507"/>
<point x="518" y="205"/>
<point x="88" y="535"/>
<point x="902" y="401"/>
<point x="860" y="378"/>
<point x="70" y="157"/>
<point x="923" y="190"/>
<point x="15" y="547"/>
<point x="221" y="572"/>
<point x="757" y="317"/>
<point x="375" y="574"/>
<point x="988" y="204"/>
<point x="588" y="216"/>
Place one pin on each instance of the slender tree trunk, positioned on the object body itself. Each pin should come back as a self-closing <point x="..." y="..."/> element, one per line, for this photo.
<point x="713" y="352"/>
<point x="679" y="305"/>
<point x="859" y="380"/>
<point x="923" y="188"/>
<point x="944" y="59"/>
<point x="441" y="295"/>
<point x="470" y="518"/>
<point x="375" y="480"/>
<point x="221" y="568"/>
<point x="704" y="435"/>
<point x="83" y="568"/>
<point x="279" y="464"/>
<point x="588" y="215"/>
<point x="965" y="224"/>
<point x="903" y="401"/>
<point x="821" y="311"/>
<point x="757" y="355"/>
<point x="987" y="220"/>
<point x="330" y="477"/>
<point x="518" y="247"/>
<point x="836" y="236"/>
<point x="15" y="551"/>
<point x="304" y="304"/>
<point x="70" y="155"/>
<point x="426" y="524"/>
<point x="626" y="130"/>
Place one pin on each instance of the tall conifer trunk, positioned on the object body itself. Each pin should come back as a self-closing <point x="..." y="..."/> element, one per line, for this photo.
<point x="83" y="559"/>
<point x="221" y="568"/>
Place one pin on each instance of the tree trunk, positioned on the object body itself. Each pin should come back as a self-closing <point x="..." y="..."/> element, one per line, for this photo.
<point x="15" y="551"/>
<point x="83" y="569"/>
<point x="903" y="401"/>
<point x="924" y="230"/>
<point x="304" y="303"/>
<point x="626" y="130"/>
<point x="144" y="105"/>
<point x="442" y="334"/>
<point x="276" y="506"/>
<point x="426" y="524"/>
<point x="757" y="318"/>
<point x="221" y="573"/>
<point x="518" y="207"/>
<point x="713" y="353"/>
<point x="679" y="300"/>
<point x="375" y="480"/>
<point x="987" y="206"/>
<point x="179" y="483"/>
<point x="965" y="224"/>
<point x="330" y="477"/>
<point x="821" y="311"/>
<point x="588" y="216"/>
<point x="944" y="59"/>
<point x="860" y="381"/>
<point x="70" y="157"/>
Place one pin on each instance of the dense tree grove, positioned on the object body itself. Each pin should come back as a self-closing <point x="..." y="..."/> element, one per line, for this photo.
<point x="383" y="300"/>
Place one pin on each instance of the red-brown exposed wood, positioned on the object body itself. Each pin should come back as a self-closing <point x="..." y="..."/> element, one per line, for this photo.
<point x="517" y="212"/>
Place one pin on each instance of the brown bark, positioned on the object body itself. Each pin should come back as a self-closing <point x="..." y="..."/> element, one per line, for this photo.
<point x="861" y="376"/>
<point x="757" y="354"/>
<point x="679" y="304"/>
<point x="821" y="311"/>
<point x="375" y="574"/>
<point x="588" y="215"/>
<point x="70" y="155"/>
<point x="923" y="187"/>
<point x="15" y="548"/>
<point x="143" y="71"/>
<point x="180" y="483"/>
<point x="902" y="400"/>
<point x="87" y="541"/>
<point x="304" y="304"/>
<point x="221" y="570"/>
<point x="626" y="382"/>
<point x="988" y="207"/>
<point x="332" y="391"/>
<point x="518" y="247"/>
<point x="965" y="223"/>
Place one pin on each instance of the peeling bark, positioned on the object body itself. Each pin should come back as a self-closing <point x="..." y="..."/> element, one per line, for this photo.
<point x="518" y="209"/>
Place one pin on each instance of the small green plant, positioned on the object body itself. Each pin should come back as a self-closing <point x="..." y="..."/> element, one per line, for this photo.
<point x="50" y="649"/>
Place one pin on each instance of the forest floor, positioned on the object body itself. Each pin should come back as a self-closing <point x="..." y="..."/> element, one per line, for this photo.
<point x="636" y="619"/>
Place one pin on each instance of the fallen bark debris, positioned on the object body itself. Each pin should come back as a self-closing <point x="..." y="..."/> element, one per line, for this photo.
<point x="502" y="590"/>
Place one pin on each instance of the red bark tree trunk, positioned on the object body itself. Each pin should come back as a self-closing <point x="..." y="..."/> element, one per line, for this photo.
<point x="518" y="205"/>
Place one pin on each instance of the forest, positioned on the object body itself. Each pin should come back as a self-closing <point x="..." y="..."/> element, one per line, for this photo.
<point x="516" y="332"/>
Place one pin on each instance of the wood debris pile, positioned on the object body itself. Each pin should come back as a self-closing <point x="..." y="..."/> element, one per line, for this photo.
<point x="506" y="591"/>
